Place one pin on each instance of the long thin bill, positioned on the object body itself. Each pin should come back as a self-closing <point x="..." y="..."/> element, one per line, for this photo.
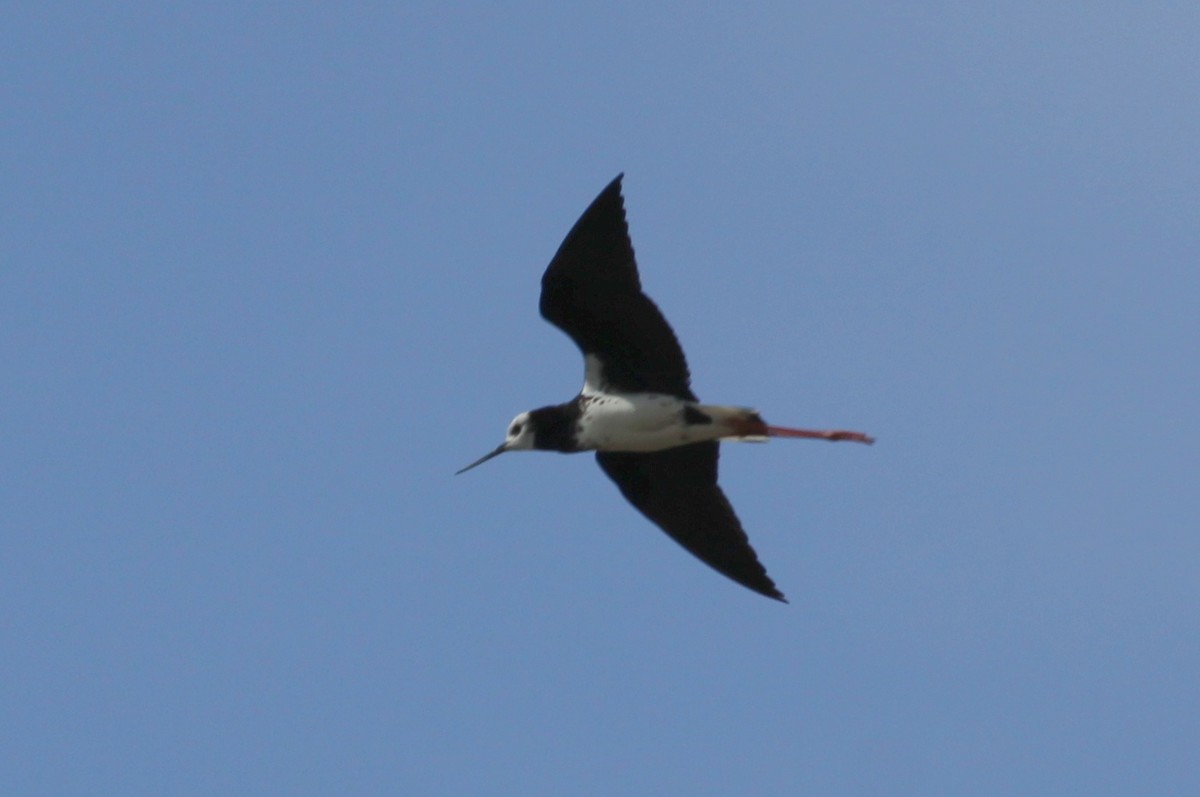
<point x="499" y="450"/>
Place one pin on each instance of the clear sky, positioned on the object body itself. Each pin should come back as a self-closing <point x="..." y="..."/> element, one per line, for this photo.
<point x="268" y="277"/>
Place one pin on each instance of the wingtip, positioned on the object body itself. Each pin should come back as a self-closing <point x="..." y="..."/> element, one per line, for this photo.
<point x="765" y="587"/>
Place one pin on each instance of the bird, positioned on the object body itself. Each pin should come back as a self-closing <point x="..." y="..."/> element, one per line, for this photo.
<point x="652" y="436"/>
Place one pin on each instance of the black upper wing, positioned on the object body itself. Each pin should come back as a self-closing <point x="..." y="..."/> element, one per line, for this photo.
<point x="592" y="292"/>
<point x="677" y="490"/>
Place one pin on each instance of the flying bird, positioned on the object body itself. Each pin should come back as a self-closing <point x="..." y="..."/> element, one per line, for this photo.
<point x="636" y="409"/>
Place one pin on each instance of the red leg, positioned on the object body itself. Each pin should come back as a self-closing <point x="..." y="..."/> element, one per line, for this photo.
<point x="831" y="435"/>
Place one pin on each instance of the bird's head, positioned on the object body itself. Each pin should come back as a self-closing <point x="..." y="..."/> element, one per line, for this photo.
<point x="520" y="437"/>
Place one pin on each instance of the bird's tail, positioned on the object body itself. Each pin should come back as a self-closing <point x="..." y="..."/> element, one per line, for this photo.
<point x="737" y="423"/>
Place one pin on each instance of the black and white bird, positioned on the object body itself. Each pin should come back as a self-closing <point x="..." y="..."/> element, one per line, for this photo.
<point x="636" y="410"/>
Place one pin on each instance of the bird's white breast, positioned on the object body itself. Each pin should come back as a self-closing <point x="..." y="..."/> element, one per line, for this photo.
<point x="636" y="422"/>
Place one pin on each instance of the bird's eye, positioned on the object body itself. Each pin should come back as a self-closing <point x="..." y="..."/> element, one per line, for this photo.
<point x="515" y="430"/>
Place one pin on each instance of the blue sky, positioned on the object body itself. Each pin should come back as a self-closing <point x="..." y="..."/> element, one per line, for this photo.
<point x="270" y="277"/>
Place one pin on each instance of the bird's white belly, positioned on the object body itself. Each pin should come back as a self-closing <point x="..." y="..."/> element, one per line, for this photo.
<point x="649" y="422"/>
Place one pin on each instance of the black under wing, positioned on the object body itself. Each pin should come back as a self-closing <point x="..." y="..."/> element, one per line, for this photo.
<point x="677" y="490"/>
<point x="591" y="291"/>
